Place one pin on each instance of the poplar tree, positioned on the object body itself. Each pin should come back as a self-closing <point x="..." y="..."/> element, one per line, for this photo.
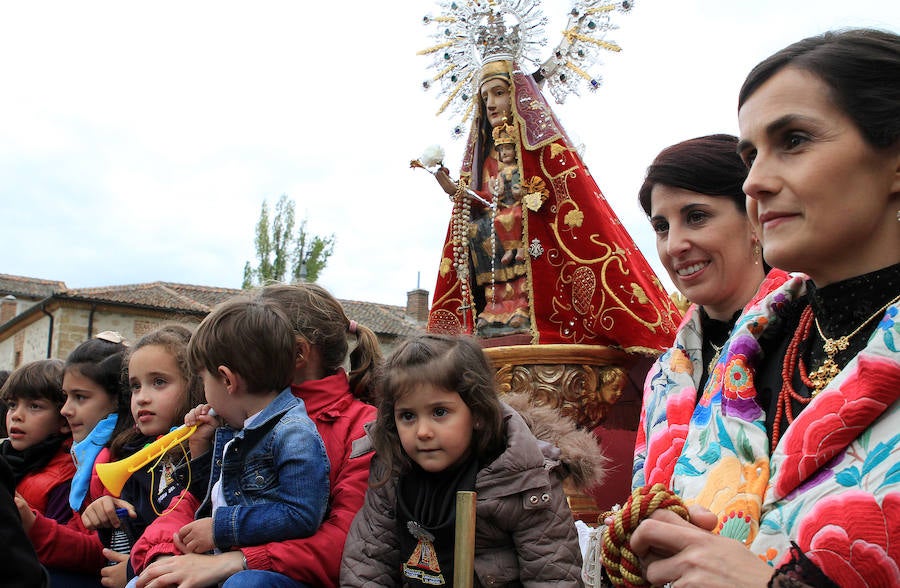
<point x="282" y="254"/>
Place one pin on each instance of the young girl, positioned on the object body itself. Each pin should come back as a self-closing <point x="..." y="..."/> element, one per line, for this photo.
<point x="163" y="389"/>
<point x="37" y="449"/>
<point x="96" y="409"/>
<point x="441" y="429"/>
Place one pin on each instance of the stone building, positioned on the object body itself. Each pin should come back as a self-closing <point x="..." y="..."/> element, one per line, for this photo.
<point x="43" y="318"/>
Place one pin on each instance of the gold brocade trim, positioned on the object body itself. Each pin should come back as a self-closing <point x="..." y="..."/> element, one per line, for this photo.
<point x="608" y="254"/>
<point x="535" y="105"/>
<point x="529" y="282"/>
<point x="569" y="171"/>
<point x="449" y="296"/>
<point x="639" y="350"/>
<point x="500" y="68"/>
<point x="557" y="353"/>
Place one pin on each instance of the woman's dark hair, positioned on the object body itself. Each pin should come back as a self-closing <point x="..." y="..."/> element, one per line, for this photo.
<point x="318" y="318"/>
<point x="451" y="363"/>
<point x="861" y="67"/>
<point x="707" y="165"/>
<point x="101" y="360"/>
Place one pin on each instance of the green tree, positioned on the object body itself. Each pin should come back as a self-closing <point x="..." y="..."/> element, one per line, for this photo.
<point x="281" y="253"/>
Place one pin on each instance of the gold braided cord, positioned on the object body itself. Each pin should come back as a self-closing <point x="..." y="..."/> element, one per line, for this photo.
<point x="571" y="35"/>
<point x="468" y="111"/>
<point x="601" y="9"/>
<point x="444" y="72"/>
<point x="579" y="71"/>
<point x="454" y="92"/>
<point x="622" y="565"/>
<point x="435" y="48"/>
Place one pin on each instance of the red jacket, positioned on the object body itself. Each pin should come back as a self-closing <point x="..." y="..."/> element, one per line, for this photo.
<point x="37" y="486"/>
<point x="315" y="560"/>
<point x="70" y="547"/>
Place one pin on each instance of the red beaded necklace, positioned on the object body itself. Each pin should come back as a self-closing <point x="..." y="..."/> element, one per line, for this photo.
<point x="792" y="360"/>
<point x="821" y="377"/>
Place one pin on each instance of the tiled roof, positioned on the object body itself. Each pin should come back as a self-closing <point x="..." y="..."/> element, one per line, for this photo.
<point x="383" y="319"/>
<point x="162" y="295"/>
<point x="29" y="287"/>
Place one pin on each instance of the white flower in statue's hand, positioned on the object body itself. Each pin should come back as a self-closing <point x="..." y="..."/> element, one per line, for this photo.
<point x="432" y="156"/>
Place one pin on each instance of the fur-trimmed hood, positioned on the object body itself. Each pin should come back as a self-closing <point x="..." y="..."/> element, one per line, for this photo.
<point x="579" y="451"/>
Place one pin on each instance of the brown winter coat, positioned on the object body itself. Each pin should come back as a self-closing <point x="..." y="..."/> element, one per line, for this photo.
<point x="525" y="534"/>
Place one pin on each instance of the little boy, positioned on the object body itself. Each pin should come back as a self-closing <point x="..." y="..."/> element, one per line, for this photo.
<point x="268" y="471"/>
<point x="39" y="441"/>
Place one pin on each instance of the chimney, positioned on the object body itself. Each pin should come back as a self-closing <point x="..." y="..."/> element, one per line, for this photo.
<point x="8" y="308"/>
<point x="417" y="304"/>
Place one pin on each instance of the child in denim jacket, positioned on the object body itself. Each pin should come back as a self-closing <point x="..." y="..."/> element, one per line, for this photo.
<point x="267" y="476"/>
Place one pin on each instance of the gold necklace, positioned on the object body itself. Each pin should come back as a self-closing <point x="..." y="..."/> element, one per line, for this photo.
<point x="715" y="357"/>
<point x="829" y="369"/>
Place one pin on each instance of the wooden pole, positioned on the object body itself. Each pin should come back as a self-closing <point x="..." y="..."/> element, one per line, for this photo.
<point x="464" y="547"/>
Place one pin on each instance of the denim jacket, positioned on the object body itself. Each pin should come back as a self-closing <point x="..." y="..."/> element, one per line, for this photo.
<point x="274" y="477"/>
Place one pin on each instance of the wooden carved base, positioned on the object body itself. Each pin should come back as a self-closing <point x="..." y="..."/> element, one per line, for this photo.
<point x="582" y="382"/>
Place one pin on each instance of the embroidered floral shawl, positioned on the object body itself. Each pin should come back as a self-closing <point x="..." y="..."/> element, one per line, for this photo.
<point x="832" y="485"/>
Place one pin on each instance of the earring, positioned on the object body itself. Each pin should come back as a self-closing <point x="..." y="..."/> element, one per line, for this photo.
<point x="757" y="252"/>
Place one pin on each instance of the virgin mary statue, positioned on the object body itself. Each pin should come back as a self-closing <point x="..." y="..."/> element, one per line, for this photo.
<point x="534" y="253"/>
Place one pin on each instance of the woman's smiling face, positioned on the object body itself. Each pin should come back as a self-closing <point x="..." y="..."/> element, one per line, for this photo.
<point x="706" y="245"/>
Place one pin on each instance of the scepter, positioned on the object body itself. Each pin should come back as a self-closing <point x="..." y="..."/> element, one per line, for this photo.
<point x="433" y="158"/>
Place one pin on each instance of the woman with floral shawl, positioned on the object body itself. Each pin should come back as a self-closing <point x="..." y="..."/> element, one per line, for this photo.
<point x="794" y="444"/>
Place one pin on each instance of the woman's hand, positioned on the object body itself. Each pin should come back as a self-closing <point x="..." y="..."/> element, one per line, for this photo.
<point x="673" y="550"/>
<point x="443" y="178"/>
<point x="196" y="537"/>
<point x="102" y="513"/>
<point x="202" y="439"/>
<point x="191" y="571"/>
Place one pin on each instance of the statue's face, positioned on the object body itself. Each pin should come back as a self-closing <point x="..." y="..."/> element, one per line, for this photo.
<point x="507" y="153"/>
<point x="495" y="95"/>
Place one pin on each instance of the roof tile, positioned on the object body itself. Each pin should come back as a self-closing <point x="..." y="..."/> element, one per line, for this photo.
<point x="29" y="287"/>
<point x="384" y="319"/>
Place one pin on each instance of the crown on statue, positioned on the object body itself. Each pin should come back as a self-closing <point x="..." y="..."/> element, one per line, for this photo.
<point x="505" y="134"/>
<point x="475" y="40"/>
<point x="497" y="40"/>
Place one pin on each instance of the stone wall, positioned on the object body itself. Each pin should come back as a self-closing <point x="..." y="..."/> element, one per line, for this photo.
<point x="70" y="329"/>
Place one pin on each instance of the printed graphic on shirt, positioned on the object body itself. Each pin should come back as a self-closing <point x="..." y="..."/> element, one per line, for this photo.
<point x="423" y="564"/>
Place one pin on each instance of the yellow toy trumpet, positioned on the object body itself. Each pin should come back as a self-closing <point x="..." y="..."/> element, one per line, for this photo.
<point x="116" y="473"/>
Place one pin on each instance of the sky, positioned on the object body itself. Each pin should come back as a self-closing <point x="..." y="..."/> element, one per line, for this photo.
<point x="138" y="140"/>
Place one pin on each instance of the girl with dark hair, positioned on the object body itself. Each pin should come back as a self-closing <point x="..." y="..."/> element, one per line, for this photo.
<point x="693" y="194"/>
<point x="442" y="429"/>
<point x="163" y="389"/>
<point x="96" y="409"/>
<point x="795" y="451"/>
